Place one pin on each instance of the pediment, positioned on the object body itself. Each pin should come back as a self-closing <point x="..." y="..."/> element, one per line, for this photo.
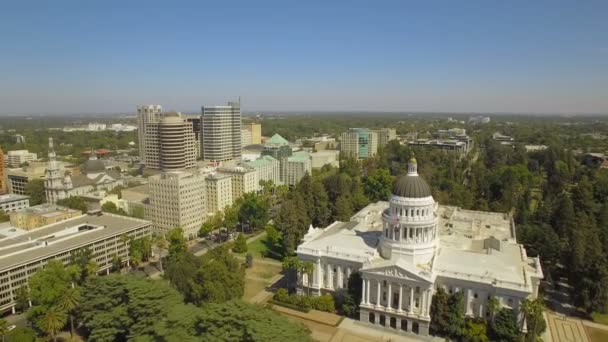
<point x="397" y="270"/>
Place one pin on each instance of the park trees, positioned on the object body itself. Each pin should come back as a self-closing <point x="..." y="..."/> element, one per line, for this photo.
<point x="74" y="202"/>
<point x="35" y="189"/>
<point x="254" y="211"/>
<point x="216" y="276"/>
<point x="378" y="185"/>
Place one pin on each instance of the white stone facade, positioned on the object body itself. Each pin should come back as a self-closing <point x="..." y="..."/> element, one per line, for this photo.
<point x="177" y="198"/>
<point x="244" y="180"/>
<point x="219" y="192"/>
<point x="409" y="247"/>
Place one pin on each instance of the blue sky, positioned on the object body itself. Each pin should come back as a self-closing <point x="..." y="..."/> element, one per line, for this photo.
<point x="452" y="56"/>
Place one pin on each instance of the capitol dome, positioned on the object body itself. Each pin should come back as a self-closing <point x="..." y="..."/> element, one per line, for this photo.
<point x="411" y="185"/>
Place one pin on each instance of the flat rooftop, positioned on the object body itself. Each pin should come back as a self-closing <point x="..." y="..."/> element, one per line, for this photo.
<point x="62" y="236"/>
<point x="12" y="198"/>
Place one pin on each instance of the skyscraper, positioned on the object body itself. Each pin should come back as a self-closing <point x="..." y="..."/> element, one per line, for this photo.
<point x="221" y="132"/>
<point x="2" y="175"/>
<point x="168" y="140"/>
<point x="146" y="114"/>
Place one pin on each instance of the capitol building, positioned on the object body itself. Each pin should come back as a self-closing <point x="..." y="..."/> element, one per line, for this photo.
<point x="409" y="247"/>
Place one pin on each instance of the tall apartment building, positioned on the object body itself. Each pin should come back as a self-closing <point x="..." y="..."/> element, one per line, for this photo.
<point x="100" y="233"/>
<point x="256" y="132"/>
<point x="146" y="114"/>
<point x="385" y="135"/>
<point x="17" y="158"/>
<point x="219" y="192"/>
<point x="177" y="198"/>
<point x="244" y="180"/>
<point x="169" y="142"/>
<point x="268" y="168"/>
<point x="296" y="167"/>
<point x="221" y="132"/>
<point x="278" y="148"/>
<point x="2" y="173"/>
<point x="196" y="128"/>
<point x="359" y="143"/>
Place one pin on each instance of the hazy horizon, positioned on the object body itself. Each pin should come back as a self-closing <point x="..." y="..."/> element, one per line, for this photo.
<point x="70" y="57"/>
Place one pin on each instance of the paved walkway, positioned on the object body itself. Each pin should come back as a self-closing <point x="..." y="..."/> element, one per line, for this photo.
<point x="566" y="329"/>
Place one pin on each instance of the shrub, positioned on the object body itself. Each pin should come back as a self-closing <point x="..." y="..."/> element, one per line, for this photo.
<point x="325" y="303"/>
<point x="240" y="245"/>
<point x="249" y="260"/>
<point x="305" y="303"/>
<point x="281" y="295"/>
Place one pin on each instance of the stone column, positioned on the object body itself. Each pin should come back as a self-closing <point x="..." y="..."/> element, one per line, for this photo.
<point x="369" y="284"/>
<point x="340" y="278"/>
<point x="319" y="269"/>
<point x="378" y="293"/>
<point x="423" y="302"/>
<point x="389" y="302"/>
<point x="400" y="306"/>
<point x="330" y="280"/>
<point x="364" y="294"/>
<point x="411" y="308"/>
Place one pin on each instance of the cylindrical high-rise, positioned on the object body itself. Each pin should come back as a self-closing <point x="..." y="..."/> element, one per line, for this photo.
<point x="221" y="132"/>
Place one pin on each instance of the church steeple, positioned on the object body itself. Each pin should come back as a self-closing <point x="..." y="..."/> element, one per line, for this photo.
<point x="53" y="180"/>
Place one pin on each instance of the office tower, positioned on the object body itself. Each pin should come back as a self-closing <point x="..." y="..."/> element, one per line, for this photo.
<point x="255" y="129"/>
<point x="246" y="137"/>
<point x="359" y="143"/>
<point x="146" y="114"/>
<point x="385" y="135"/>
<point x="2" y="174"/>
<point x="219" y="192"/>
<point x="169" y="143"/>
<point x="177" y="198"/>
<point x="196" y="128"/>
<point x="221" y="132"/>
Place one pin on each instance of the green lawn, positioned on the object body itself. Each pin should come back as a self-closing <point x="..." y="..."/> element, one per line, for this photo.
<point x="259" y="249"/>
<point x="252" y="288"/>
<point x="600" y="318"/>
<point x="597" y="335"/>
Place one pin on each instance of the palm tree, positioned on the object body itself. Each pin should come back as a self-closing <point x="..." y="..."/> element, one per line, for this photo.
<point x="69" y="301"/>
<point x="307" y="268"/>
<point x="493" y="306"/>
<point x="52" y="321"/>
<point x="3" y="328"/>
<point x="161" y="245"/>
<point x="532" y="311"/>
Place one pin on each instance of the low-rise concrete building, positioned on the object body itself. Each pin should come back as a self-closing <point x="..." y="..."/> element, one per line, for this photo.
<point x="244" y="180"/>
<point x="42" y="215"/>
<point x="325" y="157"/>
<point x="11" y="202"/>
<point x="23" y="253"/>
<point x="296" y="167"/>
<point x="18" y="157"/>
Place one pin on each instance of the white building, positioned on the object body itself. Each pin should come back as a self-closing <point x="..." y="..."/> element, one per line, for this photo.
<point x="59" y="185"/>
<point x="16" y="158"/>
<point x="409" y="247"/>
<point x="325" y="157"/>
<point x="26" y="252"/>
<point x="268" y="168"/>
<point x="296" y="166"/>
<point x="219" y="192"/>
<point x="244" y="180"/>
<point x="12" y="202"/>
<point x="177" y="199"/>
<point x="95" y="126"/>
<point x="221" y="132"/>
